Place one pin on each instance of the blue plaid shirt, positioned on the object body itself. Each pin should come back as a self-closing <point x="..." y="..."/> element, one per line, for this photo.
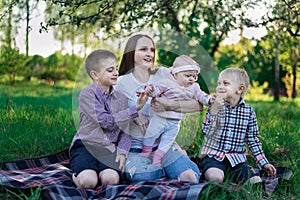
<point x="228" y="132"/>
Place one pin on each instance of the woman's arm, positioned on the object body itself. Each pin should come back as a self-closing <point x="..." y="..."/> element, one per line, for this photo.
<point x="186" y="106"/>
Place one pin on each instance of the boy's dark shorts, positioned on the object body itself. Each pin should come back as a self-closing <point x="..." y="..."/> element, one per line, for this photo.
<point x="97" y="158"/>
<point x="239" y="173"/>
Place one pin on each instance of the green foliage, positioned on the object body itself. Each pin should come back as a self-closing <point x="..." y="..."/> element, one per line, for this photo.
<point x="284" y="17"/>
<point x="34" y="66"/>
<point x="53" y="68"/>
<point x="206" y="22"/>
<point x="257" y="59"/>
<point x="59" y="67"/>
<point x="11" y="62"/>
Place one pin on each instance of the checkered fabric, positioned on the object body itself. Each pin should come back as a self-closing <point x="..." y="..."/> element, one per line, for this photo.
<point x="53" y="175"/>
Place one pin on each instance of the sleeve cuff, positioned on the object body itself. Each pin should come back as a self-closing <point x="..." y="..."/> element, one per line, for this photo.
<point x="133" y="112"/>
<point x="262" y="162"/>
<point x="122" y="151"/>
<point x="207" y="98"/>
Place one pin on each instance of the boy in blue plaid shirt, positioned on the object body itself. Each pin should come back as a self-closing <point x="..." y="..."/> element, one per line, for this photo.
<point x="230" y="124"/>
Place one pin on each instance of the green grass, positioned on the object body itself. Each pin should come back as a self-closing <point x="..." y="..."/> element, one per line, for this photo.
<point x="36" y="120"/>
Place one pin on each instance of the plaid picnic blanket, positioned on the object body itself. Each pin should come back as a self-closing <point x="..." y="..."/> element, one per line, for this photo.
<point x="53" y="176"/>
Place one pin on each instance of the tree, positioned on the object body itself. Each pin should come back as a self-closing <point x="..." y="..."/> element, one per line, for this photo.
<point x="10" y="59"/>
<point x="11" y="62"/>
<point x="290" y="61"/>
<point x="8" y="17"/>
<point x="257" y="57"/>
<point x="284" y="17"/>
<point x="34" y="66"/>
<point x="59" y="67"/>
<point x="85" y="34"/>
<point x="25" y="8"/>
<point x="207" y="22"/>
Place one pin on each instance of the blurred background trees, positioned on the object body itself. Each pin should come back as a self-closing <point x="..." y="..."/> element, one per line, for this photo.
<point x="271" y="59"/>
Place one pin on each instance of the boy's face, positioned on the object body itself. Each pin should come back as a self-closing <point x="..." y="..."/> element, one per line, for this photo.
<point x="107" y="74"/>
<point x="186" y="78"/>
<point x="228" y="88"/>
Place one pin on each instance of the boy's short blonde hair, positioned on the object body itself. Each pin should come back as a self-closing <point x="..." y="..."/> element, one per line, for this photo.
<point x="97" y="60"/>
<point x="239" y="76"/>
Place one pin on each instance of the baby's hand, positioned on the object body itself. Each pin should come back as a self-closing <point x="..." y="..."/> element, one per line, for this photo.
<point x="148" y="90"/>
<point x="270" y="169"/>
<point x="212" y="99"/>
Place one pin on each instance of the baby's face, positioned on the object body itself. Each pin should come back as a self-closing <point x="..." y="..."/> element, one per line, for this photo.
<point x="186" y="78"/>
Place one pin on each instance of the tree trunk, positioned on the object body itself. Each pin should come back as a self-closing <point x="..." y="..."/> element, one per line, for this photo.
<point x="294" y="92"/>
<point x="216" y="46"/>
<point x="174" y="18"/>
<point x="9" y="27"/>
<point x="27" y="27"/>
<point x="62" y="41"/>
<point x="73" y="41"/>
<point x="276" y="78"/>
<point x="295" y="63"/>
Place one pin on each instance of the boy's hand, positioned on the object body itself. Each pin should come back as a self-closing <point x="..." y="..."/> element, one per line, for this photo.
<point x="142" y="99"/>
<point x="270" y="169"/>
<point x="218" y="103"/>
<point x="121" y="160"/>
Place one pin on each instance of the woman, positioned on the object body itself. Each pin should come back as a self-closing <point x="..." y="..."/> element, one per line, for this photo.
<point x="137" y="70"/>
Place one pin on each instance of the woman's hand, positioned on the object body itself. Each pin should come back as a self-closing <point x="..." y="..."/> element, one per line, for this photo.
<point x="270" y="169"/>
<point x="161" y="104"/>
<point x="121" y="159"/>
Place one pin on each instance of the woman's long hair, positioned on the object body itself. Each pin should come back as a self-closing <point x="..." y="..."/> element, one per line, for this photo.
<point x="127" y="62"/>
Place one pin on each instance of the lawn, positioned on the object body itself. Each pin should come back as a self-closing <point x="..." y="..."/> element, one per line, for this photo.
<point x="36" y="120"/>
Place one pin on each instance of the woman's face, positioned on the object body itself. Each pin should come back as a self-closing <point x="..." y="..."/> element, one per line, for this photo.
<point x="144" y="53"/>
